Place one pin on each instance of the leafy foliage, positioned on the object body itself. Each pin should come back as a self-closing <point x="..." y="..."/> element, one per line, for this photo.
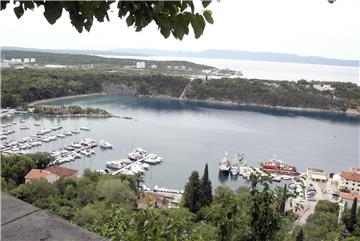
<point x="192" y="197"/>
<point x="171" y="17"/>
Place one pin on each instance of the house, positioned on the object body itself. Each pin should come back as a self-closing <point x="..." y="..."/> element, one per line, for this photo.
<point x="37" y="174"/>
<point x="50" y="174"/>
<point x="323" y="87"/>
<point x="62" y="171"/>
<point x="350" y="180"/>
<point x="140" y="65"/>
<point x="154" y="66"/>
<point x="316" y="175"/>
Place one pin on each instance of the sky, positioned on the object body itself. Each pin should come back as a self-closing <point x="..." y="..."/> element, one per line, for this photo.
<point x="304" y="27"/>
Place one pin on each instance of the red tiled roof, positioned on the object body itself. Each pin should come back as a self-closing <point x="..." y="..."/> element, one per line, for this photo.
<point x="351" y="175"/>
<point x="349" y="196"/>
<point x="61" y="171"/>
<point x="37" y="174"/>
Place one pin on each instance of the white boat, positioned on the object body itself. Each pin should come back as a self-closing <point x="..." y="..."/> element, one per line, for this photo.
<point x="84" y="128"/>
<point x="234" y="170"/>
<point x="22" y="121"/>
<point x="105" y="145"/>
<point x="14" y="123"/>
<point x="152" y="159"/>
<point x="92" y="151"/>
<point x="75" y="131"/>
<point x="118" y="164"/>
<point x="76" y="145"/>
<point x="45" y="139"/>
<point x="224" y="165"/>
<point x="85" y="152"/>
<point x="102" y="171"/>
<point x="52" y="138"/>
<point x="36" y="124"/>
<point x="61" y="135"/>
<point x="276" y="178"/>
<point x="76" y="155"/>
<point x="24" y="127"/>
<point x="68" y="133"/>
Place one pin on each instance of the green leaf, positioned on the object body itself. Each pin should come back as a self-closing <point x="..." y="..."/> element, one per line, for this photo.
<point x="19" y="11"/>
<point x="205" y="3"/>
<point x="130" y="20"/>
<point x="53" y="11"/>
<point x="208" y="16"/>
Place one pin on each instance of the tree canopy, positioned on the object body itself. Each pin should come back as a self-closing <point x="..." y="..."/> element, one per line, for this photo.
<point x="171" y="17"/>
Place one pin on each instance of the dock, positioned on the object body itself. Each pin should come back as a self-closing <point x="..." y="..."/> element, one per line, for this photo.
<point x="135" y="162"/>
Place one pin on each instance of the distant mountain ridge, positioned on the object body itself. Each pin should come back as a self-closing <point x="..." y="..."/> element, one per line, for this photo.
<point x="211" y="53"/>
<point x="243" y="55"/>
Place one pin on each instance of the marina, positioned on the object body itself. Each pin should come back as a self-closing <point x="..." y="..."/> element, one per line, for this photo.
<point x="189" y="134"/>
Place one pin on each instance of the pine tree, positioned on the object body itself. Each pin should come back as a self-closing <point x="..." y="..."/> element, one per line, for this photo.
<point x="192" y="193"/>
<point x="300" y="236"/>
<point x="284" y="197"/>
<point x="352" y="221"/>
<point x="206" y="187"/>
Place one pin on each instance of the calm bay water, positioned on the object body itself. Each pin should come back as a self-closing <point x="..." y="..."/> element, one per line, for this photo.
<point x="271" y="70"/>
<point x="189" y="134"/>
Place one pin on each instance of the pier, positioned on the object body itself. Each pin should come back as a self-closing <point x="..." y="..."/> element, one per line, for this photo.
<point x="135" y="162"/>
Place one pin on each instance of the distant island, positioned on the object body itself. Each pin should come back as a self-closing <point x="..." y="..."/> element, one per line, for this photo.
<point x="211" y="53"/>
<point x="45" y="76"/>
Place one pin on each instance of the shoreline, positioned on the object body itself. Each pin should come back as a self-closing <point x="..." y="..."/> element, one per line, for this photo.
<point x="44" y="101"/>
<point x="349" y="112"/>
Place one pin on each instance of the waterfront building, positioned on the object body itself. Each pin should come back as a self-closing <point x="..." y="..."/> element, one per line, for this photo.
<point x="50" y="174"/>
<point x="350" y="180"/>
<point x="316" y="175"/>
<point x="37" y="174"/>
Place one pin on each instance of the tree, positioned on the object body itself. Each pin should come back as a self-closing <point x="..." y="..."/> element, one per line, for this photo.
<point x="265" y="218"/>
<point x="352" y="221"/>
<point x="192" y="193"/>
<point x="206" y="188"/>
<point x="42" y="159"/>
<point x="170" y="16"/>
<point x="14" y="168"/>
<point x="300" y="236"/>
<point x="283" y="200"/>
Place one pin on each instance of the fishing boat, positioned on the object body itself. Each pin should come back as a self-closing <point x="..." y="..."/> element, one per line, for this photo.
<point x="84" y="128"/>
<point x="36" y="124"/>
<point x="68" y="133"/>
<point x="24" y="127"/>
<point x="279" y="167"/>
<point x="224" y="165"/>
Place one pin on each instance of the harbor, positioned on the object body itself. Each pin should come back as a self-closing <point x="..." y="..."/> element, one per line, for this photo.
<point x="187" y="136"/>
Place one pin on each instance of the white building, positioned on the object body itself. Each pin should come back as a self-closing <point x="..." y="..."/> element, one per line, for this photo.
<point x="154" y="66"/>
<point x="350" y="180"/>
<point x="26" y="60"/>
<point x="316" y="175"/>
<point x="183" y="67"/>
<point x="32" y="60"/>
<point x="206" y="71"/>
<point x="140" y="65"/>
<point x="168" y="67"/>
<point x="323" y="87"/>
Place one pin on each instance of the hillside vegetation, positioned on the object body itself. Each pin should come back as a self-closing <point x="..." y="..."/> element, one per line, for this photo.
<point x="21" y="86"/>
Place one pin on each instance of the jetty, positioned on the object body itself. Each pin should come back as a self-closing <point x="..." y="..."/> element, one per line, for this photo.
<point x="133" y="163"/>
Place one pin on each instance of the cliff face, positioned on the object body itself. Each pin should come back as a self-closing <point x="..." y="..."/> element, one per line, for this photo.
<point x="119" y="89"/>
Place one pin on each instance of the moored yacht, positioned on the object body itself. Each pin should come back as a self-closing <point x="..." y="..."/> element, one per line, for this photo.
<point x="105" y="145"/>
<point x="224" y="165"/>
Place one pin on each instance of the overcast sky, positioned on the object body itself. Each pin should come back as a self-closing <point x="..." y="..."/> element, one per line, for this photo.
<point x="304" y="27"/>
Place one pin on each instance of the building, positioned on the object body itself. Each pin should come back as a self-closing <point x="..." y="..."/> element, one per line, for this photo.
<point x="316" y="175"/>
<point x="140" y="65"/>
<point x="26" y="60"/>
<point x="350" y="180"/>
<point x="154" y="66"/>
<point x="159" y="200"/>
<point x="37" y="174"/>
<point x="62" y="171"/>
<point x="321" y="87"/>
<point x="50" y="174"/>
<point x="32" y="60"/>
